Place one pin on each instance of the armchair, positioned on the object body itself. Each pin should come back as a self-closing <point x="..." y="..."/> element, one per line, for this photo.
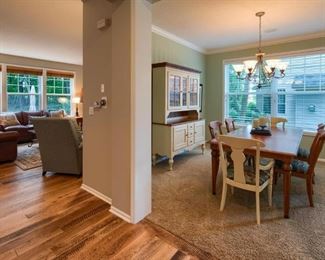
<point x="60" y="144"/>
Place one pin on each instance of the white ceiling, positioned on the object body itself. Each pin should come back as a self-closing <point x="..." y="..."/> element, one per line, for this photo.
<point x="43" y="29"/>
<point x="52" y="29"/>
<point x="212" y="25"/>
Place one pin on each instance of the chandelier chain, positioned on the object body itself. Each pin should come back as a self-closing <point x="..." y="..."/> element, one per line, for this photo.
<point x="260" y="36"/>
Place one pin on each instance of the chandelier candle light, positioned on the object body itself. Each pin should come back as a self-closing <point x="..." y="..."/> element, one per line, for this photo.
<point x="259" y="71"/>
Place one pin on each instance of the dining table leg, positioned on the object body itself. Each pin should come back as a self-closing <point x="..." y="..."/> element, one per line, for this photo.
<point x="286" y="188"/>
<point x="215" y="168"/>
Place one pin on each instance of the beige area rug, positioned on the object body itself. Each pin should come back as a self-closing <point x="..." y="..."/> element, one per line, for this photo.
<point x="28" y="157"/>
<point x="184" y="205"/>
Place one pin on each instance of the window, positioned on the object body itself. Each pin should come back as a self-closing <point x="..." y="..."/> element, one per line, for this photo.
<point x="23" y="91"/>
<point x="299" y="96"/>
<point x="58" y="93"/>
<point x="26" y="90"/>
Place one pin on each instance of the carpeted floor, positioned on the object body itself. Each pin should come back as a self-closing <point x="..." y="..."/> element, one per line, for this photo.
<point x="28" y="157"/>
<point x="184" y="205"/>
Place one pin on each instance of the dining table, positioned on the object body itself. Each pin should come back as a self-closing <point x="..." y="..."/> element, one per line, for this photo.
<point x="281" y="145"/>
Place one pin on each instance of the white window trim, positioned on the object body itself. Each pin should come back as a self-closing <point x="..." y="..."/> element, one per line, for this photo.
<point x="43" y="90"/>
<point x="310" y="51"/>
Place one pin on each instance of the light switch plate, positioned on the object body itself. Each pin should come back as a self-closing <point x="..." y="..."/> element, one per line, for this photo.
<point x="91" y="111"/>
<point x="102" y="88"/>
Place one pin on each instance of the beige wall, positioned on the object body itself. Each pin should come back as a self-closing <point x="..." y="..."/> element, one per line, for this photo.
<point x="97" y="60"/>
<point x="121" y="107"/>
<point x="29" y="62"/>
<point x="117" y="140"/>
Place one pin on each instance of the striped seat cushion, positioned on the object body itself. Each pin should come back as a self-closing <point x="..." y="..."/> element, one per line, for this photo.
<point x="250" y="177"/>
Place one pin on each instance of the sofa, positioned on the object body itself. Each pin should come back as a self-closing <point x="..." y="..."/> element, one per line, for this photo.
<point x="25" y="128"/>
<point x="8" y="146"/>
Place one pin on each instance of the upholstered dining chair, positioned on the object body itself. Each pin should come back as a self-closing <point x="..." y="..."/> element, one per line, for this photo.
<point x="305" y="169"/>
<point x="230" y="124"/>
<point x="254" y="179"/>
<point x="303" y="153"/>
<point x="215" y="127"/>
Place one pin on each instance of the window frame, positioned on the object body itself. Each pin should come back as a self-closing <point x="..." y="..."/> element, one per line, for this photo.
<point x="71" y="94"/>
<point x="43" y="86"/>
<point x="279" y="55"/>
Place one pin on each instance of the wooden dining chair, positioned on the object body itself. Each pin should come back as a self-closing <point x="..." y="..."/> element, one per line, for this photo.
<point x="230" y="124"/>
<point x="303" y="153"/>
<point x="277" y="120"/>
<point x="305" y="169"/>
<point x="215" y="127"/>
<point x="254" y="179"/>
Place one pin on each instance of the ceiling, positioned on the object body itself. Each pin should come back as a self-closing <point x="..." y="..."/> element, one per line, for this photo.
<point x="43" y="29"/>
<point x="215" y="25"/>
<point x="52" y="29"/>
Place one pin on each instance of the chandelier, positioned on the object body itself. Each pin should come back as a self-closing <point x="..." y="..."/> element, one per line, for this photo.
<point x="258" y="71"/>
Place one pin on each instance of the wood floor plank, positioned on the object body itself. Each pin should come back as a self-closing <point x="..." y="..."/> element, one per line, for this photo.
<point x="52" y="218"/>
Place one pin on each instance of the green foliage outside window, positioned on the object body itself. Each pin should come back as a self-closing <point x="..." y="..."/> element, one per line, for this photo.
<point x="244" y="101"/>
<point x="23" y="92"/>
<point x="59" y="93"/>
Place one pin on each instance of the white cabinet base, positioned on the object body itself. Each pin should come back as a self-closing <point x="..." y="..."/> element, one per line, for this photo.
<point x="171" y="140"/>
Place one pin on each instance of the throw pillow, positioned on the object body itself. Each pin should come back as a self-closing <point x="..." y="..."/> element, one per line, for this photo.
<point x="59" y="113"/>
<point x="31" y="117"/>
<point x="8" y="119"/>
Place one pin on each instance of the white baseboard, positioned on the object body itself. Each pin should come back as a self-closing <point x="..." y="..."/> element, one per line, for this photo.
<point x="96" y="193"/>
<point x="321" y="160"/>
<point x="120" y="214"/>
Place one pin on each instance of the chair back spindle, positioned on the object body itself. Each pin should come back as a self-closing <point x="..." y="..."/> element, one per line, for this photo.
<point x="237" y="146"/>
<point x="230" y="124"/>
<point x="215" y="127"/>
<point x="315" y="150"/>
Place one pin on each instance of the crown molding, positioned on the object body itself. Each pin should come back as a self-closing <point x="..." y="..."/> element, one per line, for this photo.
<point x="188" y="44"/>
<point x="268" y="43"/>
<point x="177" y="39"/>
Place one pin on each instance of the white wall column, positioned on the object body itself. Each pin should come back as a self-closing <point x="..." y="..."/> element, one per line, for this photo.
<point x="131" y="99"/>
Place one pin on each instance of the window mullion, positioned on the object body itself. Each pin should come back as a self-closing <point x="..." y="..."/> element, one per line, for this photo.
<point x="44" y="90"/>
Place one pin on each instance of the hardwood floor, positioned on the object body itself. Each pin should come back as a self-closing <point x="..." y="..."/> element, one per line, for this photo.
<point x="52" y="218"/>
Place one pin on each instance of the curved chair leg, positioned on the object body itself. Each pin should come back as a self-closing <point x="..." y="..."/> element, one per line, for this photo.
<point x="43" y="173"/>
<point x="258" y="216"/>
<point x="309" y="184"/>
<point x="223" y="197"/>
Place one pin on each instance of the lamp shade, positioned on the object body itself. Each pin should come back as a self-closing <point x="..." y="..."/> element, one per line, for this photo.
<point x="273" y="63"/>
<point x="76" y="100"/>
<point x="238" y="67"/>
<point x="250" y="64"/>
<point x="282" y="65"/>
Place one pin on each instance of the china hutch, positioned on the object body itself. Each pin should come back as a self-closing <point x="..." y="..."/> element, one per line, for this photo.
<point x="176" y="123"/>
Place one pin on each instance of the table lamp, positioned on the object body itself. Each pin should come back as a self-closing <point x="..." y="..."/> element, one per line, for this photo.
<point x="76" y="100"/>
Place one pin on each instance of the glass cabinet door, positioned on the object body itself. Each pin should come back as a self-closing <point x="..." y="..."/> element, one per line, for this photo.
<point x="184" y="91"/>
<point x="194" y="92"/>
<point x="174" y="91"/>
